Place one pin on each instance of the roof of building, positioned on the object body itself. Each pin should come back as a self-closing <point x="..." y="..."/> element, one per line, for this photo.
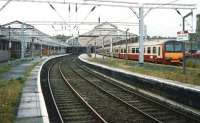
<point x="105" y="31"/>
<point x="18" y="31"/>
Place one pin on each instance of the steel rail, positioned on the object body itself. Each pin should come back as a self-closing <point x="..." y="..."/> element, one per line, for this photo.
<point x="117" y="98"/>
<point x="79" y="96"/>
<point x="139" y="95"/>
<point x="57" y="110"/>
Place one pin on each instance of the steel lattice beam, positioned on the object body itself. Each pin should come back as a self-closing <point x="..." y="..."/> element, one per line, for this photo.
<point x="76" y="23"/>
<point x="115" y="4"/>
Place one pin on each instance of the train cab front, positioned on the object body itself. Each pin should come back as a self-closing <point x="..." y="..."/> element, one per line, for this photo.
<point x="173" y="52"/>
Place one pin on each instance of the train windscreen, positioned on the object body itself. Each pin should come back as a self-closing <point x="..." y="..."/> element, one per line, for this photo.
<point x="173" y="46"/>
<point x="177" y="46"/>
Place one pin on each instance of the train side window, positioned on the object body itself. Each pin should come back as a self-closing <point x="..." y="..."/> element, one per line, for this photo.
<point x="144" y="50"/>
<point x="133" y="50"/>
<point x="159" y="51"/>
<point x="149" y="50"/>
<point x="137" y="50"/>
<point x="154" y="50"/>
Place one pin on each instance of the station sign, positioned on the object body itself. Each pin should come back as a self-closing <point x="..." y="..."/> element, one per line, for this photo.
<point x="182" y="36"/>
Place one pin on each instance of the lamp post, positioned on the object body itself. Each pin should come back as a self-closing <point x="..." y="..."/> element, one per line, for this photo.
<point x="184" y="44"/>
<point x="103" y="47"/>
<point x="41" y="48"/>
<point x="95" y="48"/>
<point x="32" y="47"/>
<point x="9" y="45"/>
<point x="127" y="44"/>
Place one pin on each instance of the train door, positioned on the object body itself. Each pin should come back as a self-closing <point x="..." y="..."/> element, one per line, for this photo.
<point x="159" y="53"/>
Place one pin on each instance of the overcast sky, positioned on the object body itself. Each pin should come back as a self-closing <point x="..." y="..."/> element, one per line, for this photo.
<point x="160" y="22"/>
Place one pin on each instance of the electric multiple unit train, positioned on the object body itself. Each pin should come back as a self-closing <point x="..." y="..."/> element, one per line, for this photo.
<point x="164" y="51"/>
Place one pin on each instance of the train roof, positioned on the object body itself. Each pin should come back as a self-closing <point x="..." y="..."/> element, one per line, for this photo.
<point x="153" y="42"/>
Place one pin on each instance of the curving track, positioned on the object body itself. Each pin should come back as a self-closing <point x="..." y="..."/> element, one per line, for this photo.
<point x="156" y="110"/>
<point x="69" y="105"/>
<point x="82" y="96"/>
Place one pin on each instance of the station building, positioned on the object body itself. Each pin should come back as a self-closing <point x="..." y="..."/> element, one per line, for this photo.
<point x="20" y="40"/>
<point x="103" y="35"/>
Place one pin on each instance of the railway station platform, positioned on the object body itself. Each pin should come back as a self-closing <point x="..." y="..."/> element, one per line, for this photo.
<point x="179" y="95"/>
<point x="18" y="68"/>
<point x="32" y="107"/>
<point x="29" y="110"/>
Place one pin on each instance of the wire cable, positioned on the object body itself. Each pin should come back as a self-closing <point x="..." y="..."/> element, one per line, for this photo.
<point x="5" y="5"/>
<point x="52" y="7"/>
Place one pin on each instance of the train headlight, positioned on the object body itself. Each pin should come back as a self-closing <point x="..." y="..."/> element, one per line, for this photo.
<point x="168" y="58"/>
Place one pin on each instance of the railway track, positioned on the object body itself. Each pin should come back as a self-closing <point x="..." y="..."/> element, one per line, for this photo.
<point x="79" y="95"/>
<point x="70" y="106"/>
<point x="155" y="110"/>
<point x="109" y="107"/>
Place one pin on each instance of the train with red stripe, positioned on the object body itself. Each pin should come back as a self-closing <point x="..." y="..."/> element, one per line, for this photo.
<point x="163" y="51"/>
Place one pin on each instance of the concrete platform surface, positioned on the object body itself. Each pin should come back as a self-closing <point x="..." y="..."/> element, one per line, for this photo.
<point x="32" y="108"/>
<point x="19" y="69"/>
<point x="31" y="105"/>
<point x="85" y="57"/>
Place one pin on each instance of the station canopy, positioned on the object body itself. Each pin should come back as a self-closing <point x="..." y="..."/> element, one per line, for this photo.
<point x="18" y="31"/>
<point x="104" y="32"/>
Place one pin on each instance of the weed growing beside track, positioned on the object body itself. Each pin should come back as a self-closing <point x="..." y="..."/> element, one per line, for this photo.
<point x="4" y="68"/>
<point x="158" y="70"/>
<point x="10" y="93"/>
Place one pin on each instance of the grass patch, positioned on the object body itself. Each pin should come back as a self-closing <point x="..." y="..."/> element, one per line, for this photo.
<point x="10" y="93"/>
<point x="193" y="62"/>
<point x="9" y="99"/>
<point x="158" y="70"/>
<point x="4" y="68"/>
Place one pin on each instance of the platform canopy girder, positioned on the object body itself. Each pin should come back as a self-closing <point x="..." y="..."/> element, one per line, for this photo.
<point x="115" y="3"/>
